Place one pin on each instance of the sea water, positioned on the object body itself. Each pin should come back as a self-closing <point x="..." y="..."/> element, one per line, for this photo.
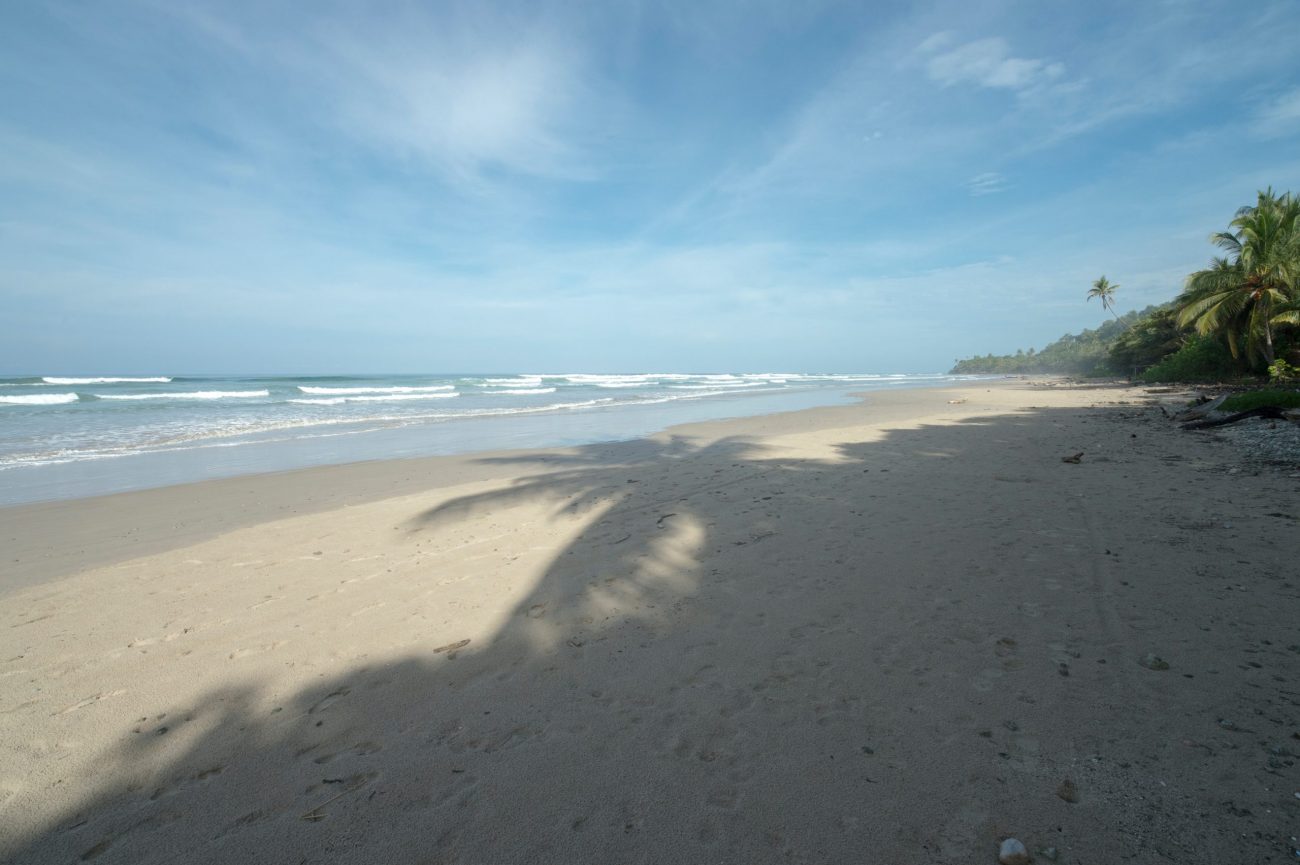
<point x="71" y="436"/>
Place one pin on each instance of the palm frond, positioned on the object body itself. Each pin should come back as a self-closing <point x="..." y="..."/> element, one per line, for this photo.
<point x="1256" y="283"/>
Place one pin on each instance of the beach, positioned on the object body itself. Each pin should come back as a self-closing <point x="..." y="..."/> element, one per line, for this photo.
<point x="895" y="631"/>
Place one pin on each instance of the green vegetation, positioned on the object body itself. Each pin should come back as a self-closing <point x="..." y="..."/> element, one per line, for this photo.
<point x="1238" y="317"/>
<point x="1281" y="371"/>
<point x="1155" y="335"/>
<point x="1201" y="358"/>
<point x="1252" y="289"/>
<point x="1104" y="289"/>
<point x="1086" y="353"/>
<point x="1259" y="398"/>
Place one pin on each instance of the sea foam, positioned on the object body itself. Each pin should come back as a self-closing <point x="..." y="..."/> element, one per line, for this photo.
<point x="38" y="399"/>
<point x="385" y="397"/>
<point x="518" y="381"/>
<point x="106" y="380"/>
<point x="351" y="391"/>
<point x="192" y="394"/>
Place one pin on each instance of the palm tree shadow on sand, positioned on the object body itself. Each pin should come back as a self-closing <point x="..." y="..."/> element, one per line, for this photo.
<point x="744" y="656"/>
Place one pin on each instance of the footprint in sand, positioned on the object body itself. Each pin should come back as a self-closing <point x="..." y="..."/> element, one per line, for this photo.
<point x="986" y="680"/>
<point x="98" y="850"/>
<point x="724" y="797"/>
<point x="329" y="700"/>
<point x="1006" y="650"/>
<point x="451" y="648"/>
<point x="91" y="700"/>
<point x="256" y="650"/>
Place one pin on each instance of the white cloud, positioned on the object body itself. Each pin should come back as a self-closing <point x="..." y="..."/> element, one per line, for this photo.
<point x="988" y="183"/>
<point x="985" y="63"/>
<point x="469" y="94"/>
<point x="1279" y="117"/>
<point x="507" y="103"/>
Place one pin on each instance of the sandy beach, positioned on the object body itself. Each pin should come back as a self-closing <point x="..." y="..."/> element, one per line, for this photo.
<point x="893" y="632"/>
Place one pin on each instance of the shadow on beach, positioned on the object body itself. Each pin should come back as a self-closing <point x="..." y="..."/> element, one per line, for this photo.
<point x="744" y="657"/>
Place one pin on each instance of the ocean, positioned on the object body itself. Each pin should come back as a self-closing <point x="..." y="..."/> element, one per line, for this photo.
<point x="70" y="436"/>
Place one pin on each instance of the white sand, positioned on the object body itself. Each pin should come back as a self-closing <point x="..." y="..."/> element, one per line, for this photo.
<point x="880" y="633"/>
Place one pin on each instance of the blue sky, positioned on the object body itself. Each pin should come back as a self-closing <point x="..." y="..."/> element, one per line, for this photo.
<point x="884" y="187"/>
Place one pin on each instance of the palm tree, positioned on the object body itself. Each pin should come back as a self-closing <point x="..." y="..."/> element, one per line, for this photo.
<point x="1104" y="289"/>
<point x="1252" y="288"/>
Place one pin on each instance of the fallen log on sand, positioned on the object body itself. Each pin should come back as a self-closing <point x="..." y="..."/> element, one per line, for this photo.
<point x="1263" y="411"/>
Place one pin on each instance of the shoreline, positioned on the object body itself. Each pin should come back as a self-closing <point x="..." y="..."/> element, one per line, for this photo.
<point x="103" y="529"/>
<point x="893" y="631"/>
<point x="264" y="444"/>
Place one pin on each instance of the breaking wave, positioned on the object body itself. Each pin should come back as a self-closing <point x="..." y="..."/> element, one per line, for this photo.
<point x="157" y="379"/>
<point x="191" y="394"/>
<point x="38" y="399"/>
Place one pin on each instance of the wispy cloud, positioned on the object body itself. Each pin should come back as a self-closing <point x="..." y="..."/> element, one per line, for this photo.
<point x="984" y="63"/>
<point x="987" y="183"/>
<point x="1279" y="117"/>
<point x="512" y="101"/>
<point x="466" y="94"/>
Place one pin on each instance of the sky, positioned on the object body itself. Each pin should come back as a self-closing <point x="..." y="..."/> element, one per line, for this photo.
<point x="235" y="187"/>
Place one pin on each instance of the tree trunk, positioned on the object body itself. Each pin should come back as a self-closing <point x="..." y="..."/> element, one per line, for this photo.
<point x="1270" y="411"/>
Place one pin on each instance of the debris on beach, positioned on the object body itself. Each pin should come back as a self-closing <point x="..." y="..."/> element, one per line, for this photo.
<point x="1012" y="852"/>
<point x="1068" y="791"/>
<point x="1273" y="436"/>
<point x="1266" y="411"/>
<point x="1154" y="662"/>
<point x="1077" y="458"/>
<point x="1202" y="408"/>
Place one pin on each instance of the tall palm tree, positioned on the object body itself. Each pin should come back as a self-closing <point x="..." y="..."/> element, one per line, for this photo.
<point x="1104" y="289"/>
<point x="1244" y="293"/>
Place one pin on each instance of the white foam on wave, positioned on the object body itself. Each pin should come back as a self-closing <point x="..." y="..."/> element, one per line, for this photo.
<point x="191" y="394"/>
<point x="492" y="412"/>
<point x="200" y="439"/>
<point x="38" y="399"/>
<point x="701" y="394"/>
<point x="624" y="380"/>
<point x="107" y="380"/>
<point x="731" y="385"/>
<point x="518" y="381"/>
<point x="523" y="391"/>
<point x="385" y="397"/>
<point x="352" y="391"/>
<point x="630" y="380"/>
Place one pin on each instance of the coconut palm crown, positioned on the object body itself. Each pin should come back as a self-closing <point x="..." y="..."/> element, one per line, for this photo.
<point x="1244" y="293"/>
<point x="1104" y="290"/>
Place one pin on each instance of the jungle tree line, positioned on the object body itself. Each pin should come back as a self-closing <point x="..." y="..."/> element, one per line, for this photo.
<point x="1238" y="316"/>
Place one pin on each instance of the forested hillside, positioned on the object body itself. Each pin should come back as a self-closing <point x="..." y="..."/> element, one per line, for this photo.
<point x="1238" y="317"/>
<point x="1086" y="353"/>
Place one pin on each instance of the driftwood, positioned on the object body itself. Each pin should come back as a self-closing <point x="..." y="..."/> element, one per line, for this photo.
<point x="1200" y="411"/>
<point x="1262" y="411"/>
